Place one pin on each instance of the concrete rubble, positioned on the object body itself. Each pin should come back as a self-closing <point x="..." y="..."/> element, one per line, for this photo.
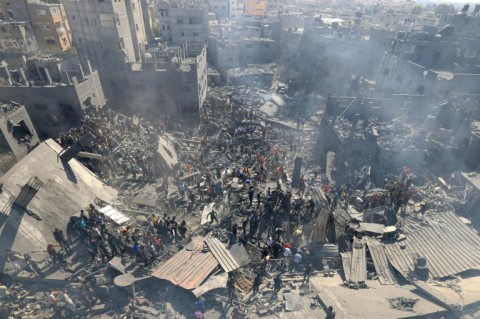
<point x="275" y="239"/>
<point x="259" y="210"/>
<point x="230" y="178"/>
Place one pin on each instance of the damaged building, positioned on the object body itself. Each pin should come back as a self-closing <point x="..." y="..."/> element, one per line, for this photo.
<point x="55" y="91"/>
<point x="18" y="135"/>
<point x="180" y="74"/>
<point x="46" y="20"/>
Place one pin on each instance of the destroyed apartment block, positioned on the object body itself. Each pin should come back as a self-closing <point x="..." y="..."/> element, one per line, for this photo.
<point x="56" y="90"/>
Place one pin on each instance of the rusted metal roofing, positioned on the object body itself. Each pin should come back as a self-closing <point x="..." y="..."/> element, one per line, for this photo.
<point x="224" y="257"/>
<point x="450" y="247"/>
<point x="384" y="270"/>
<point x="189" y="267"/>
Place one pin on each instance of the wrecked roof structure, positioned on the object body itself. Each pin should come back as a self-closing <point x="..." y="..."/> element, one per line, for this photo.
<point x="449" y="245"/>
<point x="189" y="267"/>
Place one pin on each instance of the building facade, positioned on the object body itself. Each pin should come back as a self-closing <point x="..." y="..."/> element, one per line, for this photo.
<point x="183" y="23"/>
<point x="255" y="7"/>
<point x="47" y="21"/>
<point x="107" y="31"/>
<point x="50" y="26"/>
<point x="236" y="9"/>
<point x="16" y="37"/>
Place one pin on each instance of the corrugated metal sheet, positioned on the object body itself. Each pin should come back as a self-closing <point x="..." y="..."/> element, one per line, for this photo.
<point x="319" y="234"/>
<point x="359" y="261"/>
<point x="222" y="255"/>
<point x="450" y="247"/>
<point x="114" y="214"/>
<point x="384" y="270"/>
<point x="189" y="267"/>
<point x="323" y="250"/>
<point x="372" y="228"/>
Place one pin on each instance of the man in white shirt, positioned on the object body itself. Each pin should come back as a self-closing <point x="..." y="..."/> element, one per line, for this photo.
<point x="297" y="259"/>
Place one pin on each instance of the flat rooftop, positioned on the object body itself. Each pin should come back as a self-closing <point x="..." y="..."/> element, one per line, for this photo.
<point x="66" y="190"/>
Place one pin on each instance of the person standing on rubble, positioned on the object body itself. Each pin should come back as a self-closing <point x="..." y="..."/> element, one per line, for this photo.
<point x="173" y="227"/>
<point x="61" y="239"/>
<point x="32" y="265"/>
<point x="183" y="228"/>
<point x="330" y="313"/>
<point x="213" y="216"/>
<point x="256" y="283"/>
<point x="297" y="259"/>
<point x="157" y="242"/>
<point x="133" y="170"/>
<point x="234" y="233"/>
<point x="136" y="250"/>
<point x="112" y="243"/>
<point x="244" y="226"/>
<point x="52" y="252"/>
<point x="14" y="258"/>
<point x="251" y="192"/>
<point x="307" y="272"/>
<point x="230" y="288"/>
<point x="277" y="284"/>
<point x="201" y="305"/>
<point x="103" y="249"/>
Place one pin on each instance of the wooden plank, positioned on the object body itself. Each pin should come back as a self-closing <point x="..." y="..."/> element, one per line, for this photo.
<point x="224" y="257"/>
<point x="383" y="268"/>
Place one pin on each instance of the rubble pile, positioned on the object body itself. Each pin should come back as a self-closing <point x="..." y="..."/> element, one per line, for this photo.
<point x="404" y="304"/>
<point x="228" y="178"/>
<point x="238" y="215"/>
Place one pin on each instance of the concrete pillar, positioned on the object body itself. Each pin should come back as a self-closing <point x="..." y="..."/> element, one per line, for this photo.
<point x="5" y="73"/>
<point x="24" y="77"/>
<point x="297" y="171"/>
<point x="75" y="81"/>
<point x="65" y="78"/>
<point x="472" y="161"/>
<point x="24" y="61"/>
<point x="48" y="77"/>
<point x="81" y="70"/>
<point x="89" y="65"/>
